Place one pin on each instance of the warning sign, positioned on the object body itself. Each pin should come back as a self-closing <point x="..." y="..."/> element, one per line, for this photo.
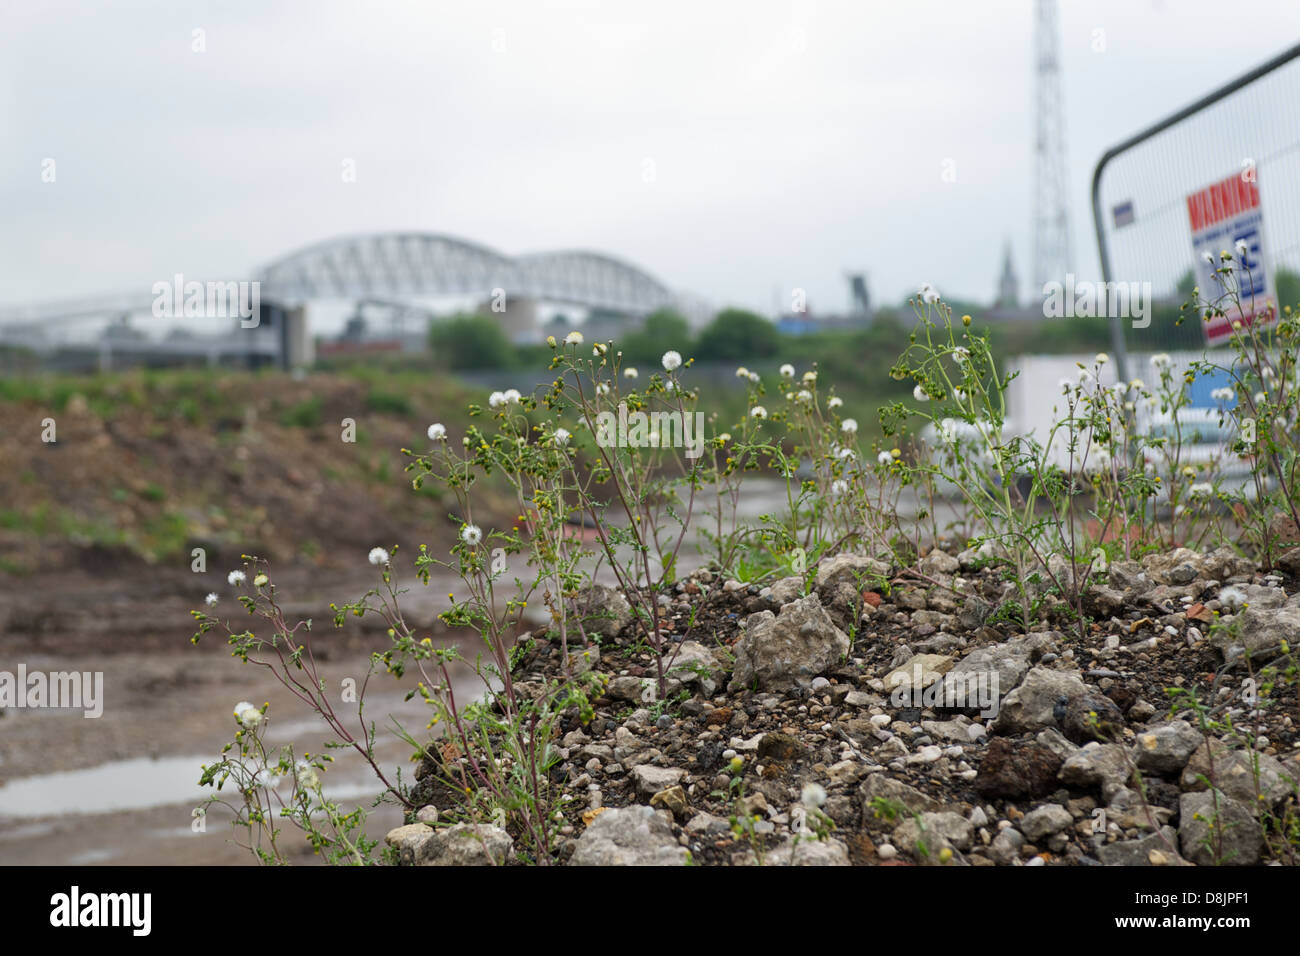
<point x="1222" y="214"/>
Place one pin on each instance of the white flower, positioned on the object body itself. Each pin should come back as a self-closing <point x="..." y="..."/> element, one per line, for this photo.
<point x="266" y="778"/>
<point x="497" y="399"/>
<point x="929" y="294"/>
<point x="958" y="393"/>
<point x="1084" y="376"/>
<point x="948" y="429"/>
<point x="1208" y="257"/>
<point x="602" y="388"/>
<point x="843" y="453"/>
<point x="630" y="372"/>
<point x="834" y="402"/>
<point x="511" y="395"/>
<point x="471" y="534"/>
<point x="260" y="581"/>
<point x="839" y="486"/>
<point x="1137" y="383"/>
<point x="961" y="354"/>
<point x="573" y="338"/>
<point x="1202" y="489"/>
<point x="1067" y="385"/>
<point x="211" y="600"/>
<point x="742" y="372"/>
<point x="307" y="776"/>
<point x="1102" y="358"/>
<point x="754" y="377"/>
<point x="885" y="458"/>
<point x="787" y="371"/>
<point x="758" y="411"/>
<point x="809" y="377"/>
<point x="1161" y="359"/>
<point x="1242" y="248"/>
<point x="437" y="432"/>
<point x="247" y="715"/>
<point x="672" y="360"/>
<point x="1222" y="394"/>
<point x="1233" y="599"/>
<point x="849" y="426"/>
<point x="599" y="349"/>
<point x="804" y="395"/>
<point x="561" y="436"/>
<point x="920" y="394"/>
<point x="813" y="795"/>
<point x="236" y="578"/>
<point x="1260" y="398"/>
<point x="670" y="386"/>
<point x="378" y="556"/>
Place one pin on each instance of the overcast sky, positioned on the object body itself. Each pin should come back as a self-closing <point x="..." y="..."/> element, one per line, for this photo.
<point x="788" y="141"/>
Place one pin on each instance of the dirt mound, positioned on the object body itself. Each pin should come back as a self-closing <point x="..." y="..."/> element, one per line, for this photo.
<point x="146" y="467"/>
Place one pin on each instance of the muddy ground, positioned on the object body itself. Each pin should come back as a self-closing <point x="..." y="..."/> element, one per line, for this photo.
<point x="167" y="707"/>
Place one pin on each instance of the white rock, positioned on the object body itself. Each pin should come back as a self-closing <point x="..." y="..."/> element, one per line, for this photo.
<point x="928" y="754"/>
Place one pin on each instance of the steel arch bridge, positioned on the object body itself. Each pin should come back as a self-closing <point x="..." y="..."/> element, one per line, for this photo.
<point x="393" y="265"/>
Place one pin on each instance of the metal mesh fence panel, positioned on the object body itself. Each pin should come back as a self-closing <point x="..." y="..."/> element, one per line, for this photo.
<point x="1224" y="168"/>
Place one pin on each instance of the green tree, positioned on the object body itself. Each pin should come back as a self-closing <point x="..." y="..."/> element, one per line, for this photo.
<point x="738" y="334"/>
<point x="661" y="331"/>
<point x="468" y="341"/>
<point x="1288" y="287"/>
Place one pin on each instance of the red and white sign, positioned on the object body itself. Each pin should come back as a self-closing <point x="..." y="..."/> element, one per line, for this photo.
<point x="1222" y="214"/>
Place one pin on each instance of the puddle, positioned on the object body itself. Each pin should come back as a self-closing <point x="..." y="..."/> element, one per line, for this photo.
<point x="135" y="784"/>
<point x="138" y="784"/>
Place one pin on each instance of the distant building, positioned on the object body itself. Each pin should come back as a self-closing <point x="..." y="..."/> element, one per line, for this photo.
<point x="797" y="323"/>
<point x="1008" y="284"/>
<point x="859" y="315"/>
<point x="861" y="297"/>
